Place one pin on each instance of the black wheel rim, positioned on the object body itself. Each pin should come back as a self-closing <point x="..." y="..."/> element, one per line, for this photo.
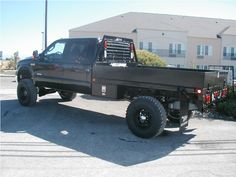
<point x="143" y="119"/>
<point x="23" y="94"/>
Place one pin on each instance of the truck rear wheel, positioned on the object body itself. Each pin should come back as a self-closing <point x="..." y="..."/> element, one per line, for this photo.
<point x="26" y="92"/>
<point x="146" y="117"/>
<point x="67" y="96"/>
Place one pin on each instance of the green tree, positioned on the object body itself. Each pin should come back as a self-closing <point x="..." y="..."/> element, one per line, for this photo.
<point x="149" y="59"/>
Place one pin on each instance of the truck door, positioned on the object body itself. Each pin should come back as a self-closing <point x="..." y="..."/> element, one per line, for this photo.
<point x="78" y="67"/>
<point x="49" y="67"/>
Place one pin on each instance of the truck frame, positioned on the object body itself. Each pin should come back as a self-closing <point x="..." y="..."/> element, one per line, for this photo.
<point x="109" y="68"/>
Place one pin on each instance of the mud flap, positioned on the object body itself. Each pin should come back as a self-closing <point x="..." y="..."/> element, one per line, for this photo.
<point x="184" y="111"/>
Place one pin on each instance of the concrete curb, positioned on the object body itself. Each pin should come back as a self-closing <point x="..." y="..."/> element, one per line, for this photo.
<point x="7" y="75"/>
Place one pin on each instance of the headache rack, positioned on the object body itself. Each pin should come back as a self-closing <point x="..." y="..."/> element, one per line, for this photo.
<point x="116" y="50"/>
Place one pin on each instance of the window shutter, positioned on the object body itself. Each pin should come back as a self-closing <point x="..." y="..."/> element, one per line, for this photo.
<point x="232" y="51"/>
<point x="150" y="46"/>
<point x="170" y="48"/>
<point x="198" y="50"/>
<point x="179" y="48"/>
<point x="206" y="50"/>
<point x="224" y="51"/>
<point x="141" y="45"/>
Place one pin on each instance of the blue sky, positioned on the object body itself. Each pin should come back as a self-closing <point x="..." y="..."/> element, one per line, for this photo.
<point x="22" y="21"/>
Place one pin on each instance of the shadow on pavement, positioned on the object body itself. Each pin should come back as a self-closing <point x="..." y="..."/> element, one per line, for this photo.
<point x="98" y="135"/>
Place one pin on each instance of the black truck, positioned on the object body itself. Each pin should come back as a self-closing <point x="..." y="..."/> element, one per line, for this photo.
<point x="109" y="67"/>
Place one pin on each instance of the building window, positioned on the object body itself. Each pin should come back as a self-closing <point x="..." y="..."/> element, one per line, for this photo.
<point x="229" y="53"/>
<point x="150" y="46"/>
<point x="175" y="49"/>
<point x="205" y="67"/>
<point x="204" y="50"/>
<point x="141" y="45"/>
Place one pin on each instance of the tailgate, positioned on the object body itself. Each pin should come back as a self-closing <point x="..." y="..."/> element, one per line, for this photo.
<point x="215" y="87"/>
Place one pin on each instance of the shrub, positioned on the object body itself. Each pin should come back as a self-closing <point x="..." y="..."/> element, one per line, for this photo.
<point x="228" y="106"/>
<point x="149" y="59"/>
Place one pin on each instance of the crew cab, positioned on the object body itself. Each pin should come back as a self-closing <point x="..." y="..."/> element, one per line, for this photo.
<point x="109" y="67"/>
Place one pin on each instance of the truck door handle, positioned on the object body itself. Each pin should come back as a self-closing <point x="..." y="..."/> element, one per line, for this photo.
<point x="75" y="69"/>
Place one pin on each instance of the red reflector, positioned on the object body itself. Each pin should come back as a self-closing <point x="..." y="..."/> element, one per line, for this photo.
<point x="105" y="44"/>
<point x="131" y="47"/>
<point x="208" y="98"/>
<point x="132" y="51"/>
<point x="224" y="92"/>
<point x="216" y="94"/>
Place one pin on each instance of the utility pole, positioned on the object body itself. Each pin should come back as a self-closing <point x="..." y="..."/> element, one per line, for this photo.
<point x="42" y="40"/>
<point x="46" y="21"/>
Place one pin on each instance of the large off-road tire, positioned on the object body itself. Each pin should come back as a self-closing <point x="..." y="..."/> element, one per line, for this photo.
<point x="26" y="92"/>
<point x="146" y="117"/>
<point x="67" y="96"/>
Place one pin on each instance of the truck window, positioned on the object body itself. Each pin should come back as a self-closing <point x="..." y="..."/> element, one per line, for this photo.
<point x="82" y="51"/>
<point x="55" y="51"/>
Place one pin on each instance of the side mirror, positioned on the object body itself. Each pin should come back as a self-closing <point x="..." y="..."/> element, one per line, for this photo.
<point x="35" y="54"/>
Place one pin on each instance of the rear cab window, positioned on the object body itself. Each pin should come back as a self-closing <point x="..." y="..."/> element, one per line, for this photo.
<point x="82" y="51"/>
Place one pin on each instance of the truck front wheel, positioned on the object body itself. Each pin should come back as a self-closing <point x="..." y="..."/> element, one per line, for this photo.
<point x="67" y="96"/>
<point x="146" y="117"/>
<point x="26" y="92"/>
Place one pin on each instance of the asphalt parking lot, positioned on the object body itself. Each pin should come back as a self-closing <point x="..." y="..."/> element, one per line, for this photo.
<point x="89" y="137"/>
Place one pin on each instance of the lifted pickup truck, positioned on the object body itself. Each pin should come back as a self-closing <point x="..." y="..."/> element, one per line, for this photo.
<point x="109" y="68"/>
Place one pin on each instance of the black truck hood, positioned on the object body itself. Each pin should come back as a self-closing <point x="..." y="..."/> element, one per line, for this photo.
<point x="24" y="62"/>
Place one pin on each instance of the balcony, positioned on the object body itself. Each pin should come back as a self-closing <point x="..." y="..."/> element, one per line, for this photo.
<point x="229" y="56"/>
<point x="200" y="57"/>
<point x="167" y="53"/>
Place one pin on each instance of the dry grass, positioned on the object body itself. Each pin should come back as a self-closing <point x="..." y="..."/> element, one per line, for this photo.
<point x="7" y="65"/>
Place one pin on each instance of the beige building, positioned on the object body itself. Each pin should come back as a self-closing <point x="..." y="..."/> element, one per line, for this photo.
<point x="182" y="41"/>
